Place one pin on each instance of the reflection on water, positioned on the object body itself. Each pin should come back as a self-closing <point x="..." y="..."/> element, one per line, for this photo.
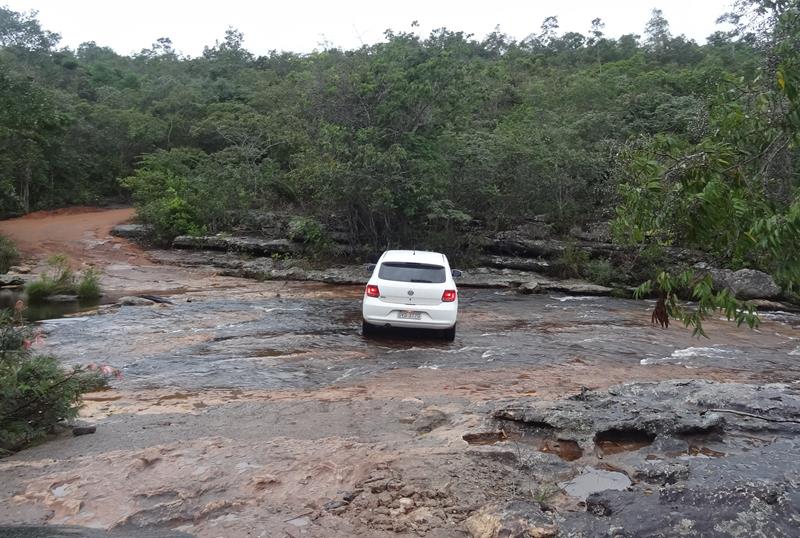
<point x="45" y="310"/>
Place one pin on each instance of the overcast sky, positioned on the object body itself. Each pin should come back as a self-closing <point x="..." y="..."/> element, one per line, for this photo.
<point x="302" y="26"/>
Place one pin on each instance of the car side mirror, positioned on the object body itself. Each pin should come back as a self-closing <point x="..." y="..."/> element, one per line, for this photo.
<point x="370" y="267"/>
<point x="456" y="273"/>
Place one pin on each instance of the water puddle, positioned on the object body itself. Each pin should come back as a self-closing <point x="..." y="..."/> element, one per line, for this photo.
<point x="563" y="448"/>
<point x="47" y="310"/>
<point x="617" y="441"/>
<point x="592" y="480"/>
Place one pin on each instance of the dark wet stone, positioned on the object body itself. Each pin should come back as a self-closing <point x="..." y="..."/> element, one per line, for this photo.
<point x="83" y="430"/>
<point x="598" y="504"/>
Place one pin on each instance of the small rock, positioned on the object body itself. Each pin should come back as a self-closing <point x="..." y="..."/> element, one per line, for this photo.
<point x="135" y="301"/>
<point x="406" y="504"/>
<point x="350" y="495"/>
<point x="526" y="288"/>
<point x="334" y="504"/>
<point x="20" y="269"/>
<point x="83" y="430"/>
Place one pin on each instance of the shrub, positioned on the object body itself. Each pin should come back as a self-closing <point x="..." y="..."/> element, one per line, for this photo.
<point x="572" y="262"/>
<point x="60" y="279"/>
<point x="89" y="284"/>
<point x="601" y="272"/>
<point x="310" y="232"/>
<point x="8" y="254"/>
<point x="37" y="392"/>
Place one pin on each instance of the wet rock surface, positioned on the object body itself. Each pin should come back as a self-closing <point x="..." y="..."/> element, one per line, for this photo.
<point x="680" y="468"/>
<point x="11" y="280"/>
<point x="258" y="408"/>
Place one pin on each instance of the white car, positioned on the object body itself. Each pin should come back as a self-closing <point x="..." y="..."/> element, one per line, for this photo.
<point x="413" y="289"/>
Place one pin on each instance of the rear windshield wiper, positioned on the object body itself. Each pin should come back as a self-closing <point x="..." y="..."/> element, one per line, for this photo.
<point x="422" y="281"/>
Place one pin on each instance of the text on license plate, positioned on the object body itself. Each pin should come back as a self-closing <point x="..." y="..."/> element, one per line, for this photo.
<point x="404" y="314"/>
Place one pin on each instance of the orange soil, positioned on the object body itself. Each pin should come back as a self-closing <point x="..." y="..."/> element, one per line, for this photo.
<point x="82" y="233"/>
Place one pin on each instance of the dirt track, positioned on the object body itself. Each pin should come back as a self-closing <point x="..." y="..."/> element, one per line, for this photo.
<point x="81" y="233"/>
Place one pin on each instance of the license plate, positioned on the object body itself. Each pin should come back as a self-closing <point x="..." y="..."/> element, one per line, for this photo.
<point x="409" y="315"/>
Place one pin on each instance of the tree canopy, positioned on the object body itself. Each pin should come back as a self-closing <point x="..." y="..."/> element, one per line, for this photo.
<point x="417" y="136"/>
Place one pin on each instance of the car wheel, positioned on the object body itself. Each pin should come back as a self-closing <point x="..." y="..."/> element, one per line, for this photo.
<point x="449" y="334"/>
<point x="367" y="329"/>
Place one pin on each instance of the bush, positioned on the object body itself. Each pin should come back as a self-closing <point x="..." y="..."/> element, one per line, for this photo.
<point x="8" y="254"/>
<point x="312" y="234"/>
<point x="572" y="262"/>
<point x="89" y="284"/>
<point x="60" y="279"/>
<point x="37" y="392"/>
<point x="601" y="272"/>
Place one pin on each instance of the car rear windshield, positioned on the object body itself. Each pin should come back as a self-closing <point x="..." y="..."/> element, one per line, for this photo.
<point x="412" y="272"/>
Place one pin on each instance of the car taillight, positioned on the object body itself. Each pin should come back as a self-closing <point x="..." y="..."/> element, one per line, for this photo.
<point x="373" y="291"/>
<point x="449" y="296"/>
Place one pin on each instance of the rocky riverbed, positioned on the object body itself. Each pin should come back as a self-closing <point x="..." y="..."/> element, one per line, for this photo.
<point x="252" y="408"/>
<point x="259" y="409"/>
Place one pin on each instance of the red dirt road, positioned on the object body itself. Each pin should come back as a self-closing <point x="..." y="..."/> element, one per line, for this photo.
<point x="82" y="233"/>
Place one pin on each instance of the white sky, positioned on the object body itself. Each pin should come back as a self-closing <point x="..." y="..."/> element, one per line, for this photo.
<point x="302" y="26"/>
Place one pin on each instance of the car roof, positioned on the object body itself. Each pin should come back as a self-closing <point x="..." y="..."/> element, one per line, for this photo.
<point x="417" y="256"/>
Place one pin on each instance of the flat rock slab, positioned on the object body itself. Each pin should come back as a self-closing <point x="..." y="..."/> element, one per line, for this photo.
<point x="85" y="532"/>
<point x="251" y="245"/>
<point x="11" y="281"/>
<point x="132" y="231"/>
<point x="663" y="408"/>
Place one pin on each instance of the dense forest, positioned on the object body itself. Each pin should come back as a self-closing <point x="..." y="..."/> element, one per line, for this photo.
<point x="680" y="143"/>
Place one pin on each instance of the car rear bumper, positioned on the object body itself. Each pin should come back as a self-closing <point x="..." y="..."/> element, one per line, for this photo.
<point x="441" y="316"/>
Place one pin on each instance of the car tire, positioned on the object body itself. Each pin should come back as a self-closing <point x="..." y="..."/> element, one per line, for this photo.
<point x="449" y="334"/>
<point x="367" y="329"/>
